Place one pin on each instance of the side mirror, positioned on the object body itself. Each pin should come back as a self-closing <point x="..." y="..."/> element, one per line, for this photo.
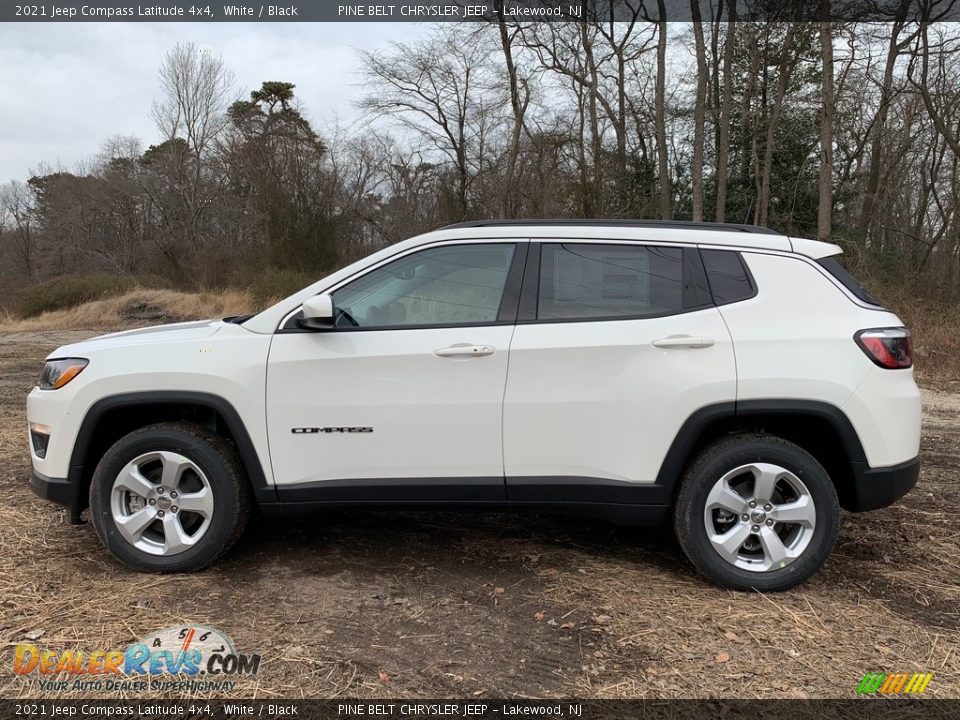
<point x="318" y="313"/>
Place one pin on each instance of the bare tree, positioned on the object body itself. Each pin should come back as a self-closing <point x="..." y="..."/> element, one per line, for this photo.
<point x="435" y="89"/>
<point x="16" y="204"/>
<point x="197" y="89"/>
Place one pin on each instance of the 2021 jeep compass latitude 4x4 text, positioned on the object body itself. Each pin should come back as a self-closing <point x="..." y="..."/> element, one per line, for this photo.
<point x="735" y="380"/>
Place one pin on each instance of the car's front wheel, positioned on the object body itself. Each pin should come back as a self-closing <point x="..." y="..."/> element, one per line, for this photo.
<point x="756" y="512"/>
<point x="169" y="497"/>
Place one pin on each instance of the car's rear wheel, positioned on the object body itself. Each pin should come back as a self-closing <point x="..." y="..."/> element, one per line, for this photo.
<point x="170" y="497"/>
<point x="756" y="512"/>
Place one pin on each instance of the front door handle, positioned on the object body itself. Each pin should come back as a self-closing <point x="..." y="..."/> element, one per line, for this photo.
<point x="684" y="341"/>
<point x="465" y="351"/>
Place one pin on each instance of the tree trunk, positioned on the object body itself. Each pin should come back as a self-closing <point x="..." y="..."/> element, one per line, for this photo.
<point x="696" y="171"/>
<point x="595" y="133"/>
<point x="723" y="146"/>
<point x="876" y="146"/>
<point x="508" y="203"/>
<point x="785" y="66"/>
<point x="825" y="201"/>
<point x="663" y="165"/>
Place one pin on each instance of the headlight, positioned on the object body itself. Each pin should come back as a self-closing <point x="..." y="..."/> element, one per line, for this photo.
<point x="57" y="373"/>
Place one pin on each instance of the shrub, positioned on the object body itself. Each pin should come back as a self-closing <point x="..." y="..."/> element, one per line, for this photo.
<point x="69" y="291"/>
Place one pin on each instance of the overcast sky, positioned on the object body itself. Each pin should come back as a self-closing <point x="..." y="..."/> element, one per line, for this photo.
<point x="67" y="87"/>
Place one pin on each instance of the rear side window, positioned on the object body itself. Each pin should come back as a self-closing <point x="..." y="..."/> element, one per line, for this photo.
<point x="729" y="278"/>
<point x="833" y="266"/>
<point x="609" y="281"/>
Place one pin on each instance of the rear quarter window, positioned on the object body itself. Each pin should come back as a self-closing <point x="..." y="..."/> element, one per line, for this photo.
<point x="730" y="280"/>
<point x="833" y="266"/>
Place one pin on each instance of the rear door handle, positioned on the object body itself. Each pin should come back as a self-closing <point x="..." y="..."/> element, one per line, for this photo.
<point x="465" y="351"/>
<point x="683" y="341"/>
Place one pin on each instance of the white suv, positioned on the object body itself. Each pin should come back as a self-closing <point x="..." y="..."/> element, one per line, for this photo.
<point x="735" y="378"/>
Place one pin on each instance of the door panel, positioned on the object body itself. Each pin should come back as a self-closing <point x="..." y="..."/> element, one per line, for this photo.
<point x="430" y="416"/>
<point x="594" y="400"/>
<point x="599" y="400"/>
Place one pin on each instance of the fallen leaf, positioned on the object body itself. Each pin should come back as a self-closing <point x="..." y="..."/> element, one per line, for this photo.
<point x="384" y="678"/>
<point x="568" y="626"/>
<point x="538" y="616"/>
<point x="883" y="649"/>
<point x="602" y="619"/>
<point x="722" y="657"/>
<point x="34" y="634"/>
<point x="731" y="636"/>
<point x="499" y="591"/>
<point x="327" y="631"/>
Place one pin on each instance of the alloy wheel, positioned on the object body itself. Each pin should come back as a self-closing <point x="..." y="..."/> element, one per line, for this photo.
<point x="162" y="503"/>
<point x="760" y="517"/>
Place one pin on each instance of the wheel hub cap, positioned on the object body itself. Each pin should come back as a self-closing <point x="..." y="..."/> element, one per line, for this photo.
<point x="162" y="503"/>
<point x="760" y="517"/>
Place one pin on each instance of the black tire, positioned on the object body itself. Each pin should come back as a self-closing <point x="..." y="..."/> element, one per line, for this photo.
<point x="218" y="460"/>
<point x="725" y="455"/>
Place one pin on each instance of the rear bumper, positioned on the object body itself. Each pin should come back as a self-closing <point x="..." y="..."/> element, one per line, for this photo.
<point x="879" y="487"/>
<point x="63" y="491"/>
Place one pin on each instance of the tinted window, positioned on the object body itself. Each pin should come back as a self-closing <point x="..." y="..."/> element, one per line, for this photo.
<point x="729" y="279"/>
<point x="451" y="285"/>
<point x="833" y="266"/>
<point x="603" y="281"/>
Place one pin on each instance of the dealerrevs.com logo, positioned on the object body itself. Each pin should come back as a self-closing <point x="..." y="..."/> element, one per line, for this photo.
<point x="176" y="658"/>
<point x="894" y="683"/>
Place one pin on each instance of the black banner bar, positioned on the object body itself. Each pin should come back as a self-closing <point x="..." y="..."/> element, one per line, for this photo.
<point x="486" y="709"/>
<point x="251" y="11"/>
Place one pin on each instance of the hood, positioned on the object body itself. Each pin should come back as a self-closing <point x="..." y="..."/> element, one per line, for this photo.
<point x="174" y="332"/>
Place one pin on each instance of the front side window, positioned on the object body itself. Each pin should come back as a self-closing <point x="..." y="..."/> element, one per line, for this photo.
<point x="607" y="281"/>
<point x="449" y="285"/>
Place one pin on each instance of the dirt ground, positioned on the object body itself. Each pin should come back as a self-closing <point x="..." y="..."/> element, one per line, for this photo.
<point x="401" y="605"/>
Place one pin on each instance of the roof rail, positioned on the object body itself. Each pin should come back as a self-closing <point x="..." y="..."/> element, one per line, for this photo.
<point x="677" y="224"/>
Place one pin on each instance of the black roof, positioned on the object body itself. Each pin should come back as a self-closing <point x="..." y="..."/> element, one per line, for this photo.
<point x="662" y="224"/>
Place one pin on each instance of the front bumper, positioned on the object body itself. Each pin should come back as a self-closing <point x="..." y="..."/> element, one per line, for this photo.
<point x="879" y="487"/>
<point x="63" y="491"/>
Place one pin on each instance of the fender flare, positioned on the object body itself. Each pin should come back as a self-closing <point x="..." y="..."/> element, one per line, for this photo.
<point x="263" y="491"/>
<point x="693" y="427"/>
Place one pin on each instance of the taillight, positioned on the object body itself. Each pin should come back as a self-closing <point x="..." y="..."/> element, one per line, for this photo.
<point x="887" y="347"/>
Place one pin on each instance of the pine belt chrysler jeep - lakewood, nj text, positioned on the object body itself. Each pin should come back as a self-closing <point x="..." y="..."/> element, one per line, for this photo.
<point x="736" y="380"/>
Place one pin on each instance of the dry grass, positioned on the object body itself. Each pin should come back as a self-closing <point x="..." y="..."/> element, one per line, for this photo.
<point x="139" y="307"/>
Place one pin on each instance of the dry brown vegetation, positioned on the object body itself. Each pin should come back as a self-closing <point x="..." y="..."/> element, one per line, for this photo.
<point x="405" y="604"/>
<point x="936" y="335"/>
<point x="138" y="307"/>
